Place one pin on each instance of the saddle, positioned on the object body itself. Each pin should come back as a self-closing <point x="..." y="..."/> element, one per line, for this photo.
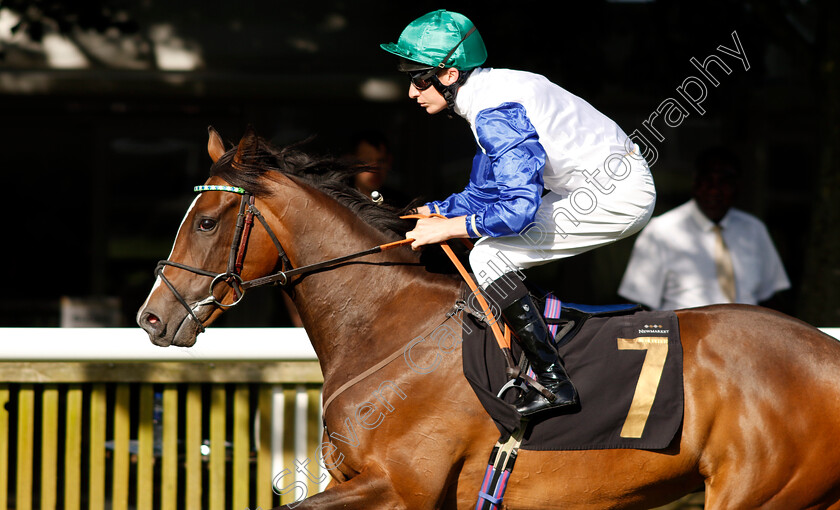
<point x="627" y="399"/>
<point x="566" y="320"/>
<point x="605" y="350"/>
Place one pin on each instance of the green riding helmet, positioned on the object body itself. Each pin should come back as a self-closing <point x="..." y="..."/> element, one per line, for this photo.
<point x="439" y="39"/>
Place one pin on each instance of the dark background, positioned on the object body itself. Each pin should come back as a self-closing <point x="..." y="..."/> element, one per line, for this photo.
<point x="99" y="160"/>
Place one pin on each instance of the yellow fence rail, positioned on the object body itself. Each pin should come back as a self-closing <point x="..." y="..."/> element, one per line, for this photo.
<point x="158" y="435"/>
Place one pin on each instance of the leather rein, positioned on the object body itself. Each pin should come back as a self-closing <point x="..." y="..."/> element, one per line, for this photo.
<point x="233" y="274"/>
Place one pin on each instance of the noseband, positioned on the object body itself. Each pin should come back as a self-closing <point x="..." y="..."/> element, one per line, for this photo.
<point x="232" y="275"/>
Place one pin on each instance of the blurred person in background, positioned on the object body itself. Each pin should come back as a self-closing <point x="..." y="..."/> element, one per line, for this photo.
<point x="705" y="251"/>
<point x="371" y="148"/>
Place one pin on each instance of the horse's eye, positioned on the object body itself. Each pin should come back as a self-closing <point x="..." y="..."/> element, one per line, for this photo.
<point x="206" y="225"/>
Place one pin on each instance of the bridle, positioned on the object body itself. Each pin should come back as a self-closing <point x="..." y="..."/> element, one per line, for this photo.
<point x="233" y="273"/>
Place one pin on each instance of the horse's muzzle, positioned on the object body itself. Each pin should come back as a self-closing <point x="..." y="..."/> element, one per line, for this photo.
<point x="164" y="333"/>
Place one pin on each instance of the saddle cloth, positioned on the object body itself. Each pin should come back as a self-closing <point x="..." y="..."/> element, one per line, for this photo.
<point x="628" y="373"/>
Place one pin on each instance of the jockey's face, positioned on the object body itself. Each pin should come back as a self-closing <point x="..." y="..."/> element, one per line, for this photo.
<point x="430" y="98"/>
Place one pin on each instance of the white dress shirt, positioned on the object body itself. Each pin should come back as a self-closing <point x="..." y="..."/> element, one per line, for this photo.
<point x="672" y="265"/>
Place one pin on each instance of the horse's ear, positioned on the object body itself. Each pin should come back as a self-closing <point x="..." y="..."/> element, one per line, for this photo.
<point x="215" y="145"/>
<point x="247" y="146"/>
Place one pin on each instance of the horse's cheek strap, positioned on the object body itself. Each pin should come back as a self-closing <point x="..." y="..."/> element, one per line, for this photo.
<point x="237" y="235"/>
<point x="243" y="241"/>
<point x="281" y="253"/>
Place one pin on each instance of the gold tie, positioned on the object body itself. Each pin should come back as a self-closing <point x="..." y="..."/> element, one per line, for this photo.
<point x="723" y="263"/>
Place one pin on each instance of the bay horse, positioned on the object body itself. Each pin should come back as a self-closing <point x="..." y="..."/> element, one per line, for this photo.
<point x="762" y="390"/>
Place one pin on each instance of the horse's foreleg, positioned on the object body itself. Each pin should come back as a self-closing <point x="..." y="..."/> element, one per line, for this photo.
<point x="371" y="489"/>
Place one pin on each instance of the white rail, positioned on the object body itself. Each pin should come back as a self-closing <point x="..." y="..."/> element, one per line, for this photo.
<point x="132" y="344"/>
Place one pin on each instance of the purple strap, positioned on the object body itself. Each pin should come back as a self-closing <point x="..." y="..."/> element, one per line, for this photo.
<point x="552" y="311"/>
<point x="498" y="491"/>
<point x="485" y="484"/>
<point x="489" y="498"/>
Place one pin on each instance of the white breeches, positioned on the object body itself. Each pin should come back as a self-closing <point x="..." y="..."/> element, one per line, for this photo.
<point x="599" y="208"/>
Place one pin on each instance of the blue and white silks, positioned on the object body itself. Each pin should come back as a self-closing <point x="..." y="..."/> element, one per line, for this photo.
<point x="532" y="135"/>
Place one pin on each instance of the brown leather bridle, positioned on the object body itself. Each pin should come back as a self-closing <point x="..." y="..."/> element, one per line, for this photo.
<point x="236" y="260"/>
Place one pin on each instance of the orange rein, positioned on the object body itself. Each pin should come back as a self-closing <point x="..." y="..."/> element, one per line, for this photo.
<point x="503" y="339"/>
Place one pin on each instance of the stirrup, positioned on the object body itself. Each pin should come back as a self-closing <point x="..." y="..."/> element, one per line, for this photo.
<point x="515" y="371"/>
<point x="516" y="382"/>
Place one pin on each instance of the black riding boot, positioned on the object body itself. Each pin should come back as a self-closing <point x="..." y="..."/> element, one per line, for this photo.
<point x="527" y="322"/>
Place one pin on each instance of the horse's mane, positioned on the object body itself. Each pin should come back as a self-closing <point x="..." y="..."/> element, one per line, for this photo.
<point x="331" y="175"/>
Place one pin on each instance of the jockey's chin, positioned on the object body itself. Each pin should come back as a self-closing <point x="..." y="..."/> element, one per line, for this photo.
<point x="429" y="99"/>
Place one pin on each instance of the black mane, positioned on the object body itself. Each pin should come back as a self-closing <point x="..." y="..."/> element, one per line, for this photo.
<point x="332" y="176"/>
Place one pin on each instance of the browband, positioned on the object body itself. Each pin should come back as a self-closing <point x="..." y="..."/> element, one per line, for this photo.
<point x="216" y="187"/>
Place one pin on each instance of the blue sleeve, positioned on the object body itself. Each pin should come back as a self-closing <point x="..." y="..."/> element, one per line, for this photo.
<point x="517" y="159"/>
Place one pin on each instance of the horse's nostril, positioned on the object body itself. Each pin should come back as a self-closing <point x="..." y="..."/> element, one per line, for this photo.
<point x="151" y="322"/>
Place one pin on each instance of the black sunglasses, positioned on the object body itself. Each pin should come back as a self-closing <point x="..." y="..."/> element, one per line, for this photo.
<point x="424" y="78"/>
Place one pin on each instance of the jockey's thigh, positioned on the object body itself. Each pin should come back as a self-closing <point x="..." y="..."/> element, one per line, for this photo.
<point x="571" y="222"/>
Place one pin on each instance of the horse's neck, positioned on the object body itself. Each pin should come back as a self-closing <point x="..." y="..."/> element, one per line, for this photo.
<point x="359" y="313"/>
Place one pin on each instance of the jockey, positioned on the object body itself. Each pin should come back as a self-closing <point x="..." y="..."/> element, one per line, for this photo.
<point x="552" y="177"/>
